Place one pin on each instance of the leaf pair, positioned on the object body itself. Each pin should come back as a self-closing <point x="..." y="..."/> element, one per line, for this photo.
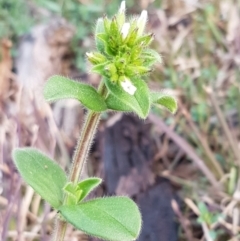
<point x="110" y="218"/>
<point x="141" y="101"/>
<point x="59" y="87"/>
<point x="77" y="192"/>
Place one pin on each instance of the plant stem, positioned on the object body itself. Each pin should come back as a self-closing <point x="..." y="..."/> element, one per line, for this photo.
<point x="60" y="230"/>
<point x="84" y="143"/>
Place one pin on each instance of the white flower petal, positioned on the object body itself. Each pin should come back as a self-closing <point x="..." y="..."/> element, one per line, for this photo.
<point x="89" y="55"/>
<point x="128" y="86"/>
<point x="142" y="20"/>
<point x="143" y="17"/>
<point x="125" y="30"/>
<point x="122" y="7"/>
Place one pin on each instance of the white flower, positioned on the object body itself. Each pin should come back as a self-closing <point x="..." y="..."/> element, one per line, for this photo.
<point x="125" y="30"/>
<point x="89" y="55"/>
<point x="142" y="20"/>
<point x="122" y="7"/>
<point x="128" y="86"/>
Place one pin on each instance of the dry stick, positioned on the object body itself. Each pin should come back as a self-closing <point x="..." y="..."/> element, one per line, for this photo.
<point x="186" y="148"/>
<point x="7" y="215"/>
<point x="4" y="203"/>
<point x="183" y="221"/>
<point x="214" y="163"/>
<point x="23" y="212"/>
<point x="235" y="221"/>
<point x="224" y="124"/>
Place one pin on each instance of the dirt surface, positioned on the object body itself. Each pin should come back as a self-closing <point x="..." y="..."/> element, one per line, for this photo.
<point x="128" y="153"/>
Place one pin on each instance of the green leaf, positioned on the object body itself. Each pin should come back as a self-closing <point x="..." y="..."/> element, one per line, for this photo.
<point x="87" y="185"/>
<point x="59" y="87"/>
<point x="164" y="100"/>
<point x="41" y="173"/>
<point x="77" y="192"/>
<point x="142" y="96"/>
<point x="213" y="234"/>
<point x="99" y="30"/>
<point x="99" y="68"/>
<point x="152" y="56"/>
<point x="111" y="218"/>
<point x="73" y="194"/>
<point x="138" y="103"/>
<point x="114" y="103"/>
<point x="203" y="208"/>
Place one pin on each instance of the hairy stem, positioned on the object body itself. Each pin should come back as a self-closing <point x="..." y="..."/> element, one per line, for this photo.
<point x="84" y="143"/>
<point x="60" y="230"/>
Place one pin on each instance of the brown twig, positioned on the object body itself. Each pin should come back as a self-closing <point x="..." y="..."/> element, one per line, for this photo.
<point x="230" y="137"/>
<point x="213" y="164"/>
<point x="186" y="148"/>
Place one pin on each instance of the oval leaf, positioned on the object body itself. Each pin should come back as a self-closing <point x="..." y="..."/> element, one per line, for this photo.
<point x="111" y="218"/>
<point x="87" y="185"/>
<point x="142" y="96"/>
<point x="138" y="103"/>
<point x="99" y="30"/>
<point x="151" y="57"/>
<point x="41" y="173"/>
<point x="59" y="87"/>
<point x="114" y="103"/>
<point x="164" y="100"/>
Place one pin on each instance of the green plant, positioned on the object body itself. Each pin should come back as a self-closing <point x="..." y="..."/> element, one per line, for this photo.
<point x="123" y="59"/>
<point x="207" y="219"/>
<point x="9" y="12"/>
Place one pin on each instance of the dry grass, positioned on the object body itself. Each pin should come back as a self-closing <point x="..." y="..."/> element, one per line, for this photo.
<point x="199" y="41"/>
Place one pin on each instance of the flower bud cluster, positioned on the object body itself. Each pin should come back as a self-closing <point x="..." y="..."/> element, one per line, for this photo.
<point x="123" y="51"/>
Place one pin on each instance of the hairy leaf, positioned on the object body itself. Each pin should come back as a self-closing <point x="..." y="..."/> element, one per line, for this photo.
<point x="138" y="103"/>
<point x="111" y="218"/>
<point x="164" y="100"/>
<point x="88" y="185"/>
<point x="41" y="173"/>
<point x="99" y="30"/>
<point x="114" y="103"/>
<point x="59" y="87"/>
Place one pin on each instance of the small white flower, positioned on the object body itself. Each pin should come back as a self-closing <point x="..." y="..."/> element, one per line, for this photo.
<point x="142" y="20"/>
<point x="122" y="7"/>
<point x="89" y="55"/>
<point x="128" y="86"/>
<point x="125" y="30"/>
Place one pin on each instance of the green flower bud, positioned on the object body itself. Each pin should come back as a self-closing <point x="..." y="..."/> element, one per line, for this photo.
<point x="96" y="58"/>
<point x="123" y="49"/>
<point x="111" y="68"/>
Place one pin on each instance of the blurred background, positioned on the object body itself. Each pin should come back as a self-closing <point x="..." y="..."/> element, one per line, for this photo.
<point x="182" y="169"/>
